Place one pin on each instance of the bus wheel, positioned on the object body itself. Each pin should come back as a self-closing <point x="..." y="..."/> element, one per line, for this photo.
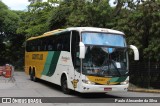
<point x="64" y="85"/>
<point x="32" y="76"/>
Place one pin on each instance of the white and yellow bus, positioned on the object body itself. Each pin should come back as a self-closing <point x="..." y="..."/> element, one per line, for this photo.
<point x="83" y="59"/>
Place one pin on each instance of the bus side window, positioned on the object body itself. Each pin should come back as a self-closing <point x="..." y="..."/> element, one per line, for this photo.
<point x="28" y="48"/>
<point x="38" y="45"/>
<point x="59" y="47"/>
<point x="58" y="43"/>
<point x="50" y="47"/>
<point x="75" y="50"/>
<point x="33" y="47"/>
<point x="66" y="42"/>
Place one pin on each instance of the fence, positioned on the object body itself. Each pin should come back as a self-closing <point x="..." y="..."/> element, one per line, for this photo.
<point x="145" y="74"/>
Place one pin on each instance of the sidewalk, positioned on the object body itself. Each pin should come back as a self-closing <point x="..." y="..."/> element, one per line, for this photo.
<point x="145" y="90"/>
<point x="134" y="88"/>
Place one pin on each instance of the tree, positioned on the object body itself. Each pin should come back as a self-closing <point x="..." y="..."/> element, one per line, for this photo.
<point x="10" y="41"/>
<point x="81" y="13"/>
<point x="59" y="15"/>
<point x="141" y="27"/>
<point x="35" y="20"/>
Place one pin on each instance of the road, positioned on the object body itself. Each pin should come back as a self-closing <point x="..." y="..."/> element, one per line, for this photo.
<point x="24" y="87"/>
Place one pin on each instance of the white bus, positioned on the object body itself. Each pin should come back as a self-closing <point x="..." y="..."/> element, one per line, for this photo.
<point x="83" y="59"/>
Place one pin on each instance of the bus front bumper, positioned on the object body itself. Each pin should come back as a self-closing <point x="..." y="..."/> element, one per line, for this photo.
<point x="87" y="88"/>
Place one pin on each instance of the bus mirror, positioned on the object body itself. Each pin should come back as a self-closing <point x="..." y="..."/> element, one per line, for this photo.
<point x="82" y="50"/>
<point x="136" y="52"/>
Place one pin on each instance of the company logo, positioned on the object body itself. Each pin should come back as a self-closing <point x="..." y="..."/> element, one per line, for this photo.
<point x="6" y="100"/>
<point x="65" y="59"/>
<point x="99" y="79"/>
<point x="37" y="56"/>
<point x="74" y="82"/>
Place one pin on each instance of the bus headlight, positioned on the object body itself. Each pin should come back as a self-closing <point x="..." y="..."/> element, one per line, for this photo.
<point x="125" y="82"/>
<point x="88" y="82"/>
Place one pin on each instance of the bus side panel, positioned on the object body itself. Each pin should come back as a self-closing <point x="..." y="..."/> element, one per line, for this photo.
<point x="26" y="62"/>
<point x="61" y="63"/>
<point x="35" y="60"/>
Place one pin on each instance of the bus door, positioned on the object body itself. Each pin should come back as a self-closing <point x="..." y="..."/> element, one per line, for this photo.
<point x="75" y="58"/>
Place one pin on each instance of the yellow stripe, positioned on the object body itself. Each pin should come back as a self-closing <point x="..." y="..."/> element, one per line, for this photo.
<point x="50" y="33"/>
<point x="99" y="80"/>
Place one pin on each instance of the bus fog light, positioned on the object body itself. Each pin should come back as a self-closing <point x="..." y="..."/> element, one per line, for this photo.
<point x="88" y="82"/>
<point x="125" y="82"/>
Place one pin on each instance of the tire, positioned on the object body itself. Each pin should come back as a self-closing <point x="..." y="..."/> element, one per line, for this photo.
<point x="32" y="76"/>
<point x="64" y="86"/>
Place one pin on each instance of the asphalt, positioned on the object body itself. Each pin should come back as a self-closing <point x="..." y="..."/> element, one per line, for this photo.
<point x="10" y="82"/>
<point x="6" y="82"/>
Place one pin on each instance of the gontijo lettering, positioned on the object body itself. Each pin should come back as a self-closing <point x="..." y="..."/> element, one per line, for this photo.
<point x="99" y="79"/>
<point x="37" y="56"/>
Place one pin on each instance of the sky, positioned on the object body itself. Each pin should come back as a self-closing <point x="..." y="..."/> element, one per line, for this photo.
<point x="17" y="4"/>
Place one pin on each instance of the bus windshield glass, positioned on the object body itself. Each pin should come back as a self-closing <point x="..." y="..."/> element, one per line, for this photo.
<point x="93" y="38"/>
<point x="106" y="55"/>
<point x="105" y="62"/>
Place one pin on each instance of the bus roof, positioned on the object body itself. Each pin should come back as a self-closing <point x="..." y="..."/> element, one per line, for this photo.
<point x="80" y="29"/>
<point x="94" y="29"/>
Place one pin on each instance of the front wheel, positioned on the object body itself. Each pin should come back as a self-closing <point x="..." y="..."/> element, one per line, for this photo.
<point x="64" y="86"/>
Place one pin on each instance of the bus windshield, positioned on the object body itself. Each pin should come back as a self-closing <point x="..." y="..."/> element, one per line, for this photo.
<point x="101" y="61"/>
<point x="106" y="55"/>
<point x="93" y="38"/>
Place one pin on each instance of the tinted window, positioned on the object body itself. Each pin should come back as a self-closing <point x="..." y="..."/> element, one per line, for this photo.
<point x="59" y="42"/>
<point x="75" y="50"/>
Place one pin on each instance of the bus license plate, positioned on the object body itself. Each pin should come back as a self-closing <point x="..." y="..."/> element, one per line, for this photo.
<point x="107" y="89"/>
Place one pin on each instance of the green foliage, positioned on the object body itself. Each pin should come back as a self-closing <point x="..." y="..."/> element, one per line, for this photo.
<point x="59" y="16"/>
<point x="34" y="22"/>
<point x="142" y="28"/>
<point x="10" y="41"/>
<point x="80" y="13"/>
<point x="95" y="14"/>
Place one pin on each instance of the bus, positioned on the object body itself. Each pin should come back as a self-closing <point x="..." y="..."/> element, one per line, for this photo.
<point x="82" y="59"/>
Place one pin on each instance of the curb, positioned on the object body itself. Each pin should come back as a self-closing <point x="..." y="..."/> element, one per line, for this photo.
<point x="145" y="90"/>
